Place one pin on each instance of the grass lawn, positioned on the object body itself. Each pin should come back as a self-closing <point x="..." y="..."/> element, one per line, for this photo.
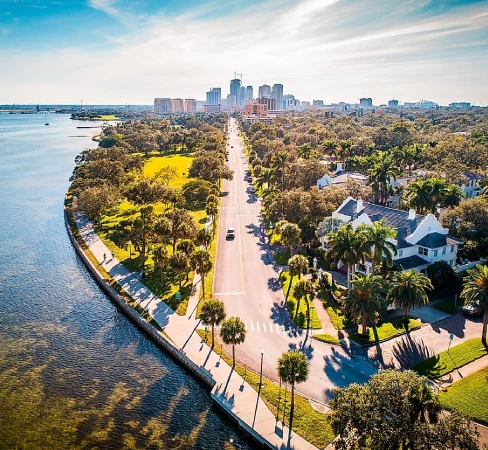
<point x="445" y="362"/>
<point x="301" y="318"/>
<point x="470" y="396"/>
<point x="328" y="338"/>
<point x="338" y="319"/>
<point x="385" y="330"/>
<point x="312" y="425"/>
<point x="449" y="306"/>
<point x="130" y="258"/>
<point x="282" y="258"/>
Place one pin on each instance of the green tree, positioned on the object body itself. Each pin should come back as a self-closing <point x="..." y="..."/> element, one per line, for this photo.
<point x="475" y="289"/>
<point x="143" y="232"/>
<point x="304" y="289"/>
<point x="161" y="259"/>
<point x="178" y="262"/>
<point x="201" y="263"/>
<point x="233" y="332"/>
<point x="346" y="245"/>
<point x="378" y="243"/>
<point x="95" y="201"/>
<point x="395" y="410"/>
<point x="297" y="265"/>
<point x="365" y="299"/>
<point x="182" y="225"/>
<point x="381" y="172"/>
<point x="452" y="195"/>
<point x="212" y="314"/>
<point x="289" y="234"/>
<point x="293" y="368"/>
<point x="408" y="290"/>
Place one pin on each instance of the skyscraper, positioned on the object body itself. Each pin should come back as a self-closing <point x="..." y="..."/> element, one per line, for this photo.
<point x="214" y="96"/>
<point x="235" y="88"/>
<point x="366" y="102"/>
<point x="277" y="93"/>
<point x="231" y="101"/>
<point x="242" y="96"/>
<point x="177" y="105"/>
<point x="264" y="91"/>
<point x="162" y="105"/>
<point x="190" y="105"/>
<point x="249" y="94"/>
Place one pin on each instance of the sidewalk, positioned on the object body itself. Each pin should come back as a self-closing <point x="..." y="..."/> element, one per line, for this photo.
<point x="462" y="372"/>
<point x="231" y="391"/>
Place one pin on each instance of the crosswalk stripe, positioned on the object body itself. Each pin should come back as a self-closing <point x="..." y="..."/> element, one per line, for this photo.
<point x="271" y="328"/>
<point x="257" y="326"/>
<point x="245" y="324"/>
<point x="284" y="329"/>
<point x="264" y="327"/>
<point x="278" y="329"/>
<point x="252" y="326"/>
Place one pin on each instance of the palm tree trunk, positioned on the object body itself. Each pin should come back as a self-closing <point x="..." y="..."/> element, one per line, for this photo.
<point x="365" y="323"/>
<point x="308" y="312"/>
<point x="161" y="277"/>
<point x="213" y="335"/>
<point x="233" y="355"/>
<point x="292" y="406"/>
<point x="485" y="325"/>
<point x="291" y="251"/>
<point x="203" y="285"/>
<point x="289" y="287"/>
<point x="348" y="275"/>
<point x="298" y="306"/>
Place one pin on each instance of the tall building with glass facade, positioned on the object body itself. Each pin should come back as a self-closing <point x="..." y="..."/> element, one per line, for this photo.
<point x="277" y="93"/>
<point x="235" y="89"/>
<point x="214" y="96"/>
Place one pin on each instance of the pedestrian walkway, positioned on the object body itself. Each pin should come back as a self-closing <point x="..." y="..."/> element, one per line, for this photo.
<point x="463" y="372"/>
<point x="231" y="391"/>
<point x="274" y="328"/>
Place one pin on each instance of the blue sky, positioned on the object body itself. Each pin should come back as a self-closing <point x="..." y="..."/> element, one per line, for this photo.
<point x="117" y="51"/>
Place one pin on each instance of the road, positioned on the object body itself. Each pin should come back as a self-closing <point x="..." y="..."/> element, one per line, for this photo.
<point x="246" y="280"/>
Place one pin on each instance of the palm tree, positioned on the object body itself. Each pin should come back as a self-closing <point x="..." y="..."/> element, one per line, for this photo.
<point x="382" y="171"/>
<point x="304" y="289"/>
<point x="378" y="245"/>
<point x="204" y="237"/>
<point x="213" y="313"/>
<point x="233" y="332"/>
<point x="452" y="195"/>
<point x="161" y="258"/>
<point x="365" y="299"/>
<point x="178" y="262"/>
<point x="289" y="234"/>
<point x="293" y="368"/>
<point x="212" y="209"/>
<point x="279" y="162"/>
<point x="407" y="291"/>
<point x="417" y="195"/>
<point x="297" y="265"/>
<point x="475" y="289"/>
<point x="305" y="150"/>
<point x="329" y="146"/>
<point x="425" y="405"/>
<point x="201" y="263"/>
<point x="346" y="245"/>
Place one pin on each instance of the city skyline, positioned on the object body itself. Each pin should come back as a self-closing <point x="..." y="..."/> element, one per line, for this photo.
<point x="114" y="52"/>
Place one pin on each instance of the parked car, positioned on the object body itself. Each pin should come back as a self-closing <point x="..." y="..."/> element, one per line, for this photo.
<point x="473" y="308"/>
<point x="230" y="233"/>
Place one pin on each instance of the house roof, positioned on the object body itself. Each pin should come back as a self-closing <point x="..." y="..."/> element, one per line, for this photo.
<point x="472" y="176"/>
<point x="436" y="240"/>
<point x="411" y="262"/>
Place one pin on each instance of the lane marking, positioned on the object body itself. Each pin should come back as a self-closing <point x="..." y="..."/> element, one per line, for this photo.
<point x="229" y="293"/>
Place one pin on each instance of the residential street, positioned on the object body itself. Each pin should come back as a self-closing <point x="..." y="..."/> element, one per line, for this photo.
<point x="247" y="282"/>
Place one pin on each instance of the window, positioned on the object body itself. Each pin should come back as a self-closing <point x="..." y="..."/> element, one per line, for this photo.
<point x="400" y="253"/>
<point x="423" y="251"/>
<point x="444" y="250"/>
<point x="435" y="253"/>
<point x="452" y="248"/>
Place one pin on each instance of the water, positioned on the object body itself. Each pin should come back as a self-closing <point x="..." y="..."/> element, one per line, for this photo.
<point x="74" y="372"/>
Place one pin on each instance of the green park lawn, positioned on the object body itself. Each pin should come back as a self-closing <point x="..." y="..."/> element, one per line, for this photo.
<point x="449" y="306"/>
<point x="469" y="396"/>
<point x="129" y="257"/>
<point x="447" y="361"/>
<point x="337" y="317"/>
<point x="328" y="338"/>
<point x="385" y="330"/>
<point x="312" y="425"/>
<point x="301" y="318"/>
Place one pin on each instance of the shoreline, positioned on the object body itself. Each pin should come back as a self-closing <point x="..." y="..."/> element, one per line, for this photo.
<point x="165" y="342"/>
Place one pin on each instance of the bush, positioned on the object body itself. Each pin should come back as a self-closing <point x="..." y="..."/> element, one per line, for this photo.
<point x="442" y="275"/>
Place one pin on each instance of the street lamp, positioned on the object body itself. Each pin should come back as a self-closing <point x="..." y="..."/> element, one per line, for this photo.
<point x="261" y="373"/>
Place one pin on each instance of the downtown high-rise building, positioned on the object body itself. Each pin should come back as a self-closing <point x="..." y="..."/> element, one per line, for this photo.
<point x="242" y="96"/>
<point x="214" y="96"/>
<point x="249" y="94"/>
<point x="277" y="93"/>
<point x="235" y="89"/>
<point x="264" y="91"/>
<point x="190" y="105"/>
<point x="365" y="102"/>
<point x="177" y="105"/>
<point x="162" y="106"/>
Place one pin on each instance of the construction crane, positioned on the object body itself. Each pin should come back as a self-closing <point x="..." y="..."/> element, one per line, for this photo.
<point x="240" y="75"/>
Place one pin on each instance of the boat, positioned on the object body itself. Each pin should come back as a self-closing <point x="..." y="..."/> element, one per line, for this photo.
<point x="47" y="123"/>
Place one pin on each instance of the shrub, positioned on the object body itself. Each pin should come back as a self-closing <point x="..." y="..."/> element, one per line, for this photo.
<point x="442" y="275"/>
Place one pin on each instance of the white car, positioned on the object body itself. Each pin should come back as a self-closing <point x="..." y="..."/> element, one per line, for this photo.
<point x="231" y="234"/>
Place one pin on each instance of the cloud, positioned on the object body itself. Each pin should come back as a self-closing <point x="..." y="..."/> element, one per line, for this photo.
<point x="330" y="49"/>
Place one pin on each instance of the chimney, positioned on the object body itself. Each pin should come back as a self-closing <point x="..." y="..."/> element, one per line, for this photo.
<point x="339" y="167"/>
<point x="359" y="206"/>
<point x="411" y="214"/>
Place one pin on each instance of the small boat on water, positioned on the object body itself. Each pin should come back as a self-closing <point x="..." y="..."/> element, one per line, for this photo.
<point x="45" y="116"/>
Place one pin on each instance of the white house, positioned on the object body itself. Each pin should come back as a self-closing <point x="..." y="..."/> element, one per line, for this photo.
<point x="470" y="185"/>
<point x="420" y="240"/>
<point x="340" y="177"/>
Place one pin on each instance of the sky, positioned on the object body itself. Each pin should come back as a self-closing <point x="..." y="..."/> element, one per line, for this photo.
<point x="130" y="51"/>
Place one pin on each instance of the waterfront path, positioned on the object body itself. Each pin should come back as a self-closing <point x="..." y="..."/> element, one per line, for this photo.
<point x="231" y="391"/>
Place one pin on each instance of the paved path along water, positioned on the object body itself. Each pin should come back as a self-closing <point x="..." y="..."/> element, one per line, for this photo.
<point x="231" y="390"/>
